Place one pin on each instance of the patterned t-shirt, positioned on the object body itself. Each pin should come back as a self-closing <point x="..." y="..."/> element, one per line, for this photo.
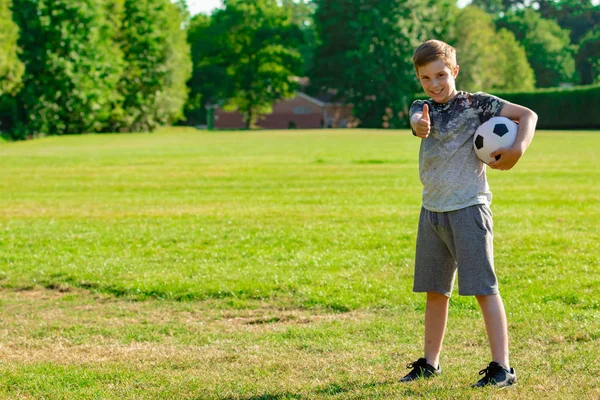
<point x="452" y="175"/>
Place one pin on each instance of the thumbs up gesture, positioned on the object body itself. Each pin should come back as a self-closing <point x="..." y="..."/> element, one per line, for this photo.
<point x="422" y="124"/>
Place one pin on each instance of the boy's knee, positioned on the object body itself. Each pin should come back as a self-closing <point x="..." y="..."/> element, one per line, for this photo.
<point x="435" y="296"/>
<point x="486" y="298"/>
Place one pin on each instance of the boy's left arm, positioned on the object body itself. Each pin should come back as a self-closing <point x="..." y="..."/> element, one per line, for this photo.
<point x="527" y="120"/>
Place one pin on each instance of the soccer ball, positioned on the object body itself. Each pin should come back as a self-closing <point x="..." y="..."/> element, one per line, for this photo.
<point x="492" y="135"/>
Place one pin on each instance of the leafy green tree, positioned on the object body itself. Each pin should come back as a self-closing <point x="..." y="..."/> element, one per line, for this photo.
<point x="209" y="84"/>
<point x="71" y="67"/>
<point x="578" y="16"/>
<point x="494" y="7"/>
<point x="365" y="52"/>
<point x="173" y="97"/>
<point x="547" y="8"/>
<point x="11" y="67"/>
<point x="259" y="48"/>
<point x="143" y="39"/>
<point x="476" y="50"/>
<point x="302" y="12"/>
<point x="588" y="57"/>
<point x="513" y="68"/>
<point x="115" y="15"/>
<point x="547" y="45"/>
<point x="488" y="59"/>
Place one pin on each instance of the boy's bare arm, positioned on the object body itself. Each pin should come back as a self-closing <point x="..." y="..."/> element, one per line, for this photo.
<point x="420" y="122"/>
<point x="527" y="120"/>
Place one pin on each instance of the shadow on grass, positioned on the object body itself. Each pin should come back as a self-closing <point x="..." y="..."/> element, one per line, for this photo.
<point x="336" y="388"/>
<point x="276" y="396"/>
<point x="331" y="389"/>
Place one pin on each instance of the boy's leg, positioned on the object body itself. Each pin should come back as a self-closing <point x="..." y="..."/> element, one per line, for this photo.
<point x="436" y="317"/>
<point x="435" y="267"/>
<point x="494" y="317"/>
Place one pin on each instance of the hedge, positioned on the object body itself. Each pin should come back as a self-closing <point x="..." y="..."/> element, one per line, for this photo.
<point x="569" y="108"/>
<point x="559" y="108"/>
<point x="6" y="113"/>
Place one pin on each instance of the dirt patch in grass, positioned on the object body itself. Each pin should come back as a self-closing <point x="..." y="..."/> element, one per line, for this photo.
<point x="268" y="316"/>
<point x="77" y="326"/>
<point x="264" y="349"/>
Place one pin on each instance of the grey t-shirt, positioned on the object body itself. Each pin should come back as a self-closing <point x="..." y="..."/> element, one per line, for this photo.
<point x="452" y="175"/>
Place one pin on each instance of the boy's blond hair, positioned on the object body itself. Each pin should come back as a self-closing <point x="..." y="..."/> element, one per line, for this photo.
<point x="433" y="50"/>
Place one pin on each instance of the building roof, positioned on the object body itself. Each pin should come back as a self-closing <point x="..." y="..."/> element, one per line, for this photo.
<point x="324" y="96"/>
<point x="312" y="99"/>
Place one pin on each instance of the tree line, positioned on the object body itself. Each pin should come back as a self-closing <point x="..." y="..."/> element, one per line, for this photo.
<point x="92" y="65"/>
<point x="133" y="65"/>
<point x="362" y="50"/>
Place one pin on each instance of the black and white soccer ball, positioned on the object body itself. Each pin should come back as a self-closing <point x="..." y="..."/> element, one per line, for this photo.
<point x="492" y="135"/>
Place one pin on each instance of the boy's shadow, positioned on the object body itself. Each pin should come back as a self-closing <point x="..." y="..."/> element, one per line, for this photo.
<point x="331" y="389"/>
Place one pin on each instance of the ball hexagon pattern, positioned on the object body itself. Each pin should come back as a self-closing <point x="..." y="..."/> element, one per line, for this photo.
<point x="492" y="135"/>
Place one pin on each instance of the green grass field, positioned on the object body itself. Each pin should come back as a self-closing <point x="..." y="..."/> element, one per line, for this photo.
<point x="278" y="265"/>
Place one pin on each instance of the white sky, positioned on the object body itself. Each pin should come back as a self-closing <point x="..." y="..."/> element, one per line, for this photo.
<point x="206" y="6"/>
<point x="203" y="6"/>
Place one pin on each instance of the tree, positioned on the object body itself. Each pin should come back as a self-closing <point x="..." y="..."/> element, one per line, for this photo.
<point x="209" y="84"/>
<point x="588" y="57"/>
<point x="11" y="67"/>
<point x="71" y="66"/>
<point x="143" y="40"/>
<point x="365" y="52"/>
<point x="157" y="64"/>
<point x="547" y="45"/>
<point x="302" y="12"/>
<point x="476" y="50"/>
<point x="171" y="100"/>
<point x="578" y="16"/>
<point x="258" y="46"/>
<point x="488" y="59"/>
<point x="513" y="67"/>
<point x="547" y="8"/>
<point x="494" y="7"/>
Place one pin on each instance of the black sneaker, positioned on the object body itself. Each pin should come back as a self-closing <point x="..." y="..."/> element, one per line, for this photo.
<point x="496" y="375"/>
<point x="420" y="369"/>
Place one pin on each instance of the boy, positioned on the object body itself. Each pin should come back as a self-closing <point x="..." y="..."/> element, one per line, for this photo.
<point x="455" y="225"/>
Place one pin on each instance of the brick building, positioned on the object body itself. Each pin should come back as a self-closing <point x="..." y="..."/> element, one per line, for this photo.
<point x="302" y="112"/>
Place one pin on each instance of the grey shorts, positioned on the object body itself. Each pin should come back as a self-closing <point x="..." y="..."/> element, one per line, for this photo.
<point x="461" y="239"/>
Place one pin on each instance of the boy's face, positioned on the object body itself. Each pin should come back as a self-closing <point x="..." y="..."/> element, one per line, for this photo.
<point x="438" y="80"/>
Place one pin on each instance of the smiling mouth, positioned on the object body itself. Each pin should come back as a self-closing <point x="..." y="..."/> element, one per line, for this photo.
<point x="437" y="92"/>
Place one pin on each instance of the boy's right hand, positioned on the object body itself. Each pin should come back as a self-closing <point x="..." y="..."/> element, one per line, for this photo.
<point x="422" y="126"/>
